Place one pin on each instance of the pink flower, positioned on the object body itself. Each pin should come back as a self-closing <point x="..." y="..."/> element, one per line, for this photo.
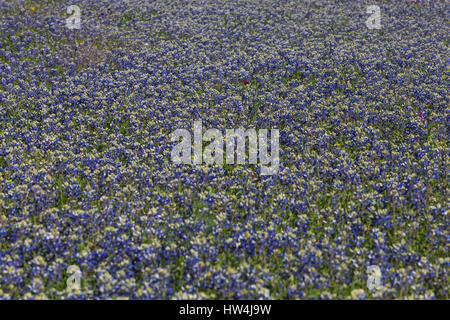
<point x="422" y="117"/>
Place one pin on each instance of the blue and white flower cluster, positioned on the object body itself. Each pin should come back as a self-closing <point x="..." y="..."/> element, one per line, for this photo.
<point x="87" y="180"/>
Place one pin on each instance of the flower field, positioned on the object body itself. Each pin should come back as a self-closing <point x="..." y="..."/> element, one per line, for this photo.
<point x="86" y="177"/>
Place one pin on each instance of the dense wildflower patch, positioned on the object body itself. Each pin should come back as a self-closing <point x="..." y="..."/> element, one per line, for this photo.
<point x="86" y="177"/>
